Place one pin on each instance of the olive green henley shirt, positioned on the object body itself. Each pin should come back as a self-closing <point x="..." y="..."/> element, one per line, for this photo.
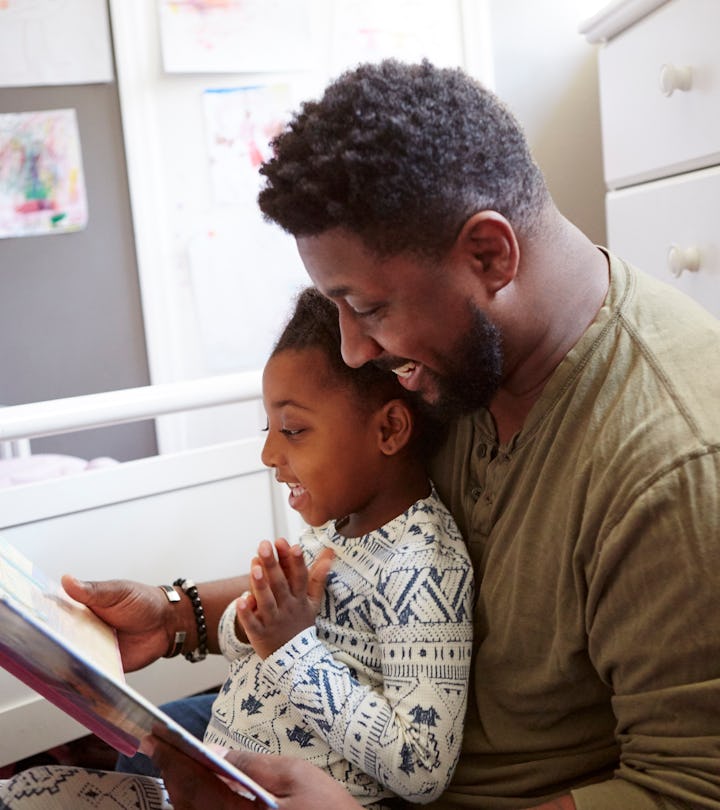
<point x="595" y="537"/>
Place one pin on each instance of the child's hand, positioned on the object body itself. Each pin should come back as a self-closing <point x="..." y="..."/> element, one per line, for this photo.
<point x="285" y="596"/>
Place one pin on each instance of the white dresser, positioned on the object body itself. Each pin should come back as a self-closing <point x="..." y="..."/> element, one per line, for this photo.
<point x="660" y="109"/>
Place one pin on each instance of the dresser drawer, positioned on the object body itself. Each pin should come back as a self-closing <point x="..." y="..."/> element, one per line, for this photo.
<point x="648" y="133"/>
<point x="662" y="227"/>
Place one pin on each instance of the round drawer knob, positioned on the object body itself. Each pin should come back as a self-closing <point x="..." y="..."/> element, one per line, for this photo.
<point x="681" y="259"/>
<point x="674" y="77"/>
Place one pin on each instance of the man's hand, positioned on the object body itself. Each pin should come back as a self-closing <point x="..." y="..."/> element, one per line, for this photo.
<point x="139" y="613"/>
<point x="296" y="784"/>
<point x="284" y="598"/>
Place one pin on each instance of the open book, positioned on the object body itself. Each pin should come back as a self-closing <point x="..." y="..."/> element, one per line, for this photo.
<point x="63" y="651"/>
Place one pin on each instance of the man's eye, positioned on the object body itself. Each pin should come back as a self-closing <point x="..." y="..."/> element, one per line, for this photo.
<point x="291" y="432"/>
<point x="366" y="313"/>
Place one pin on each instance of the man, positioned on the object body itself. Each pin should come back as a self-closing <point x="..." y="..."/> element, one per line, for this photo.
<point x="583" y="462"/>
<point x="584" y="469"/>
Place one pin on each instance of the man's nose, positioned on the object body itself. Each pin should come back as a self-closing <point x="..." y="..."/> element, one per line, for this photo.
<point x="357" y="346"/>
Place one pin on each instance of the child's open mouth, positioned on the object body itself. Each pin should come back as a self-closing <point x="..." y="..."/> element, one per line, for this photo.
<point x="296" y="493"/>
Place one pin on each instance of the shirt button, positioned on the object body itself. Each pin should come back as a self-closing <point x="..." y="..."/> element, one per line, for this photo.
<point x="476" y="492"/>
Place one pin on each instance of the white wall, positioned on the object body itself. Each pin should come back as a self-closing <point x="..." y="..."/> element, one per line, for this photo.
<point x="175" y="211"/>
<point x="547" y="73"/>
<point x="537" y="62"/>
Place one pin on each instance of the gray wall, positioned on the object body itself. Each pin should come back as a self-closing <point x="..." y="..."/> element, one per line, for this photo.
<point x="70" y="312"/>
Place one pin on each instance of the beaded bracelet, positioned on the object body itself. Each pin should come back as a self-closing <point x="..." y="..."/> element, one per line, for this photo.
<point x="201" y="651"/>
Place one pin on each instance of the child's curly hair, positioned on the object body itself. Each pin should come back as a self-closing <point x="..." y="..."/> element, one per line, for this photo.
<point x="314" y="324"/>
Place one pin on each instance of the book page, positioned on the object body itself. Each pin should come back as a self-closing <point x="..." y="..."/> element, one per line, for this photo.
<point x="47" y="602"/>
<point x="68" y="655"/>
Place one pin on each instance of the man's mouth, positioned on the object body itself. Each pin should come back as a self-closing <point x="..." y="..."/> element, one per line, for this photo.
<point x="405" y="370"/>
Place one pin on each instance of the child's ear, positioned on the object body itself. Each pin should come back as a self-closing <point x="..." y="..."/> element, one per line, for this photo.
<point x="396" y="424"/>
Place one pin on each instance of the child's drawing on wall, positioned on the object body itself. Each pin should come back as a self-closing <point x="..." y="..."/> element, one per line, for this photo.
<point x="237" y="36"/>
<point x="240" y="123"/>
<point x="42" y="189"/>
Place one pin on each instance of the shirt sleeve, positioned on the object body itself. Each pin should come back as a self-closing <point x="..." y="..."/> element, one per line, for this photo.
<point x="407" y="732"/>
<point x="653" y="605"/>
<point x="231" y="646"/>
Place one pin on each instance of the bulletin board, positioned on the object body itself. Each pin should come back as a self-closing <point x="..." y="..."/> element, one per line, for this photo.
<point x="70" y="311"/>
<point x="217" y="281"/>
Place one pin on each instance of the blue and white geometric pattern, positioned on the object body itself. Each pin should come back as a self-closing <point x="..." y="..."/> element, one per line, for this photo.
<point x="63" y="787"/>
<point x="376" y="692"/>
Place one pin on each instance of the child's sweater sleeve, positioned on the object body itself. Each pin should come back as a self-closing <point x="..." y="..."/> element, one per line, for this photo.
<point x="406" y="732"/>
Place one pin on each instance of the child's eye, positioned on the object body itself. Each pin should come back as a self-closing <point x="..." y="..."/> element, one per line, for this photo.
<point x="291" y="432"/>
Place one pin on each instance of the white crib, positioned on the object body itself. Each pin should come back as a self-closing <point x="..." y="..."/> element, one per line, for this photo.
<point x="198" y="513"/>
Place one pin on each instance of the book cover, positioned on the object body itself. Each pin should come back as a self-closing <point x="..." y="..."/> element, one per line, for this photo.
<point x="63" y="651"/>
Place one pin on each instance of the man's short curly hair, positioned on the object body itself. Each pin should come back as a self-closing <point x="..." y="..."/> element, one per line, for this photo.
<point x="401" y="155"/>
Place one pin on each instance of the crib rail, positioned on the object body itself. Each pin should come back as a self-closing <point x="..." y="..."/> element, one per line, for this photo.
<point x="128" y="405"/>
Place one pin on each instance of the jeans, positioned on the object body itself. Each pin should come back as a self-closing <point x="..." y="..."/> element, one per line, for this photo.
<point x="192" y="713"/>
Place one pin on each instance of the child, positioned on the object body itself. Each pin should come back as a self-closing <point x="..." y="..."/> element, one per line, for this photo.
<point x="364" y="674"/>
<point x="373" y="689"/>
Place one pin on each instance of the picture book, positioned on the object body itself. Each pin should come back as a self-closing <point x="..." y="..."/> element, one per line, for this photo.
<point x="63" y="651"/>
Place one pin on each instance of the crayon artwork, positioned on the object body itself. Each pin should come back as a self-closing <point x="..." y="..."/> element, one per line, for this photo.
<point x="42" y="188"/>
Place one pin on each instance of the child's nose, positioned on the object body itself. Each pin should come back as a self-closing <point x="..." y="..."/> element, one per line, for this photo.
<point x="270" y="455"/>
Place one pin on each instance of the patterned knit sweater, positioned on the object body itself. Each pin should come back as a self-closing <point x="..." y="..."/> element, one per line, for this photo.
<point x="375" y="692"/>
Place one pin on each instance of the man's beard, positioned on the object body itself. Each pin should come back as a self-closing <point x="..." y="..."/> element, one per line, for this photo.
<point x="475" y="372"/>
<point x="472" y="374"/>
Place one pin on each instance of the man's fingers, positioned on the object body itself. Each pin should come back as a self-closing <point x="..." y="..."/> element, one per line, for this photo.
<point x="262" y="768"/>
<point x="191" y="785"/>
<point x="76" y="588"/>
<point x="103" y="594"/>
<point x="295" y="782"/>
<point x="182" y="776"/>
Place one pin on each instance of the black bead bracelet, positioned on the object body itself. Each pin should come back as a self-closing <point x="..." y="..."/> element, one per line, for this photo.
<point x="201" y="651"/>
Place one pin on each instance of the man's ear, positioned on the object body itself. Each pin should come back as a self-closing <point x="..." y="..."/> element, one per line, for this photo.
<point x="487" y="242"/>
<point x="395" y="424"/>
